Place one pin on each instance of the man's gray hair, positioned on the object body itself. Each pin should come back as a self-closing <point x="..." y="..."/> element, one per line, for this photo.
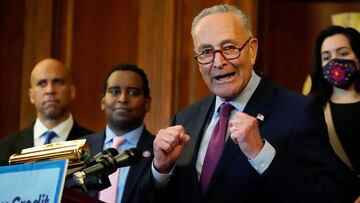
<point x="223" y="8"/>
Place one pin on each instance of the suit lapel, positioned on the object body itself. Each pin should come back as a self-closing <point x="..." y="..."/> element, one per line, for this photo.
<point x="138" y="170"/>
<point x="258" y="104"/>
<point x="188" y="158"/>
<point x="26" y="139"/>
<point x="261" y="99"/>
<point x="77" y="132"/>
<point x="196" y="131"/>
<point x="73" y="134"/>
<point x="96" y="142"/>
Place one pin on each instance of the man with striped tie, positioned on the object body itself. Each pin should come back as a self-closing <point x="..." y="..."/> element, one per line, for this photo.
<point x="251" y="141"/>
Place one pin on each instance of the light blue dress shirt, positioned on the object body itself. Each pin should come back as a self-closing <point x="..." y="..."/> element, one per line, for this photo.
<point x="131" y="140"/>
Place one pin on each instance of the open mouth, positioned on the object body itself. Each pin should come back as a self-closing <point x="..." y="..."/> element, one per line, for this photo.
<point x="224" y="77"/>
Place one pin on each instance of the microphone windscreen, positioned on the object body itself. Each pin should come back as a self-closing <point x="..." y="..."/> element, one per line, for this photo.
<point x="109" y="151"/>
<point x="112" y="151"/>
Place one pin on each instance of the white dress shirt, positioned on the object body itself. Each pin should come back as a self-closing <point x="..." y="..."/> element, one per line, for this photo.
<point x="62" y="130"/>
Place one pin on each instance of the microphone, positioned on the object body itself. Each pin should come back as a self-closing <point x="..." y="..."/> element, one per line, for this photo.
<point x="93" y="160"/>
<point x="108" y="164"/>
<point x="97" y="158"/>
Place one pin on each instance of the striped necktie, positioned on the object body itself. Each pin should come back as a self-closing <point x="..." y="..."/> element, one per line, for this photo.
<point x="216" y="146"/>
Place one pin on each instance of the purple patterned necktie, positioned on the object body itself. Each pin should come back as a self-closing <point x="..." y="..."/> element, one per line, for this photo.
<point x="216" y="146"/>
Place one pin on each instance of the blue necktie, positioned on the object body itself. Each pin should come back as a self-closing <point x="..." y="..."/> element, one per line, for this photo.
<point x="49" y="135"/>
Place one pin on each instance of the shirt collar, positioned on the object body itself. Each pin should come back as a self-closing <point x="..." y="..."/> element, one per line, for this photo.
<point x="132" y="136"/>
<point x="242" y="99"/>
<point x="62" y="130"/>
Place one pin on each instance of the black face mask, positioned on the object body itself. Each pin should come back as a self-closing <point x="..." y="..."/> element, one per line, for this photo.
<point x="340" y="73"/>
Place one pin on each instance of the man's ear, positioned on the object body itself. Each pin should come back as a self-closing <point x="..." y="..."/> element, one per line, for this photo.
<point x="31" y="95"/>
<point x="253" y="50"/>
<point x="72" y="92"/>
<point x="102" y="103"/>
<point x="147" y="104"/>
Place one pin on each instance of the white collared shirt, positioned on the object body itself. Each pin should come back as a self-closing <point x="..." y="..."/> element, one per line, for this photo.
<point x="62" y="130"/>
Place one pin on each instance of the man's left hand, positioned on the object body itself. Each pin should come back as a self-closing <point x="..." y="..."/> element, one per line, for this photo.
<point x="244" y="131"/>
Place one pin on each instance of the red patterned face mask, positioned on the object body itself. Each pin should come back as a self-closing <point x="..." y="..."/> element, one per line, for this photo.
<point x="340" y="73"/>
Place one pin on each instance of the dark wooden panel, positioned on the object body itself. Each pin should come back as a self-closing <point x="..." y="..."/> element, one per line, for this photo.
<point x="37" y="46"/>
<point x="11" y="52"/>
<point x="190" y="86"/>
<point x="156" y="54"/>
<point x="288" y="34"/>
<point x="104" y="34"/>
<point x="93" y="36"/>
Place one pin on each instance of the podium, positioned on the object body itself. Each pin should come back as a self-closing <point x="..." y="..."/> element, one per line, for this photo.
<point x="71" y="195"/>
<point x="39" y="182"/>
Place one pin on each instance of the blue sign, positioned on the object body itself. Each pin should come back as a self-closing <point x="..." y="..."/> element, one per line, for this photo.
<point x="40" y="182"/>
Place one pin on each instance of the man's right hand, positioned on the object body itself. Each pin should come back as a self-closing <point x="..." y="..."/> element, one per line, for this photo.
<point x="168" y="145"/>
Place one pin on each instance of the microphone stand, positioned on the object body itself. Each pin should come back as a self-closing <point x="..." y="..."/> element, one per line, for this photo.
<point x="107" y="162"/>
<point x="79" y="178"/>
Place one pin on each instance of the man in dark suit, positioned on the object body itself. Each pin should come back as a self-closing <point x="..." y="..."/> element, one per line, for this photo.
<point x="125" y="101"/>
<point x="274" y="148"/>
<point x="51" y="92"/>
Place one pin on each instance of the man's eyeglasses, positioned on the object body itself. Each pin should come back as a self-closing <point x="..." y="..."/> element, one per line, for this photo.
<point x="230" y="52"/>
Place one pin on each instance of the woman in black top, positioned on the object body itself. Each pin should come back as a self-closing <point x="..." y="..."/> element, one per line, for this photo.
<point x="336" y="86"/>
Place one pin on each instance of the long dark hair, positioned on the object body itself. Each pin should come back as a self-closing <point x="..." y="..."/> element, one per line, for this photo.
<point x="321" y="90"/>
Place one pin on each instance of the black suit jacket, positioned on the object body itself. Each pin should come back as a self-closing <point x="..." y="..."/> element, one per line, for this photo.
<point x="14" y="143"/>
<point x="301" y="171"/>
<point x="136" y="173"/>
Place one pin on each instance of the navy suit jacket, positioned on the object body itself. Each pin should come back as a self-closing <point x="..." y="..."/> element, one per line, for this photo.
<point x="301" y="171"/>
<point x="136" y="173"/>
<point x="14" y="143"/>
